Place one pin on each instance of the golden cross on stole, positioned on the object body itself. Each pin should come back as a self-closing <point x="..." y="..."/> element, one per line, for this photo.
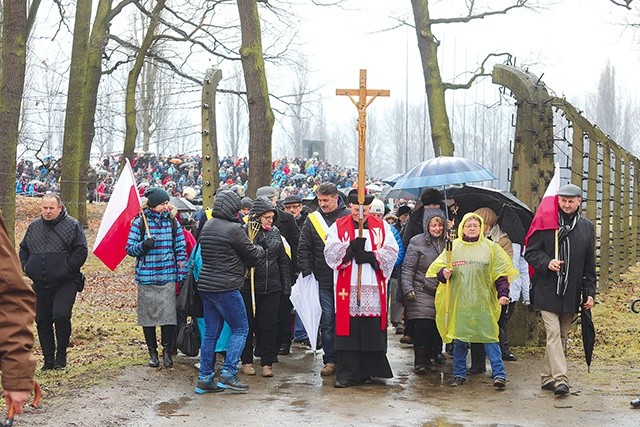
<point x="343" y="294"/>
<point x="361" y="104"/>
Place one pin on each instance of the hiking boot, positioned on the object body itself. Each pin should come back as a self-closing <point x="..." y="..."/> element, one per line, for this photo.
<point x="458" y="381"/>
<point x="207" y="384"/>
<point x="267" y="371"/>
<point x="247" y="369"/>
<point x="48" y="365"/>
<point x="499" y="383"/>
<point x="328" y="370"/>
<point x="231" y="382"/>
<point x="154" y="362"/>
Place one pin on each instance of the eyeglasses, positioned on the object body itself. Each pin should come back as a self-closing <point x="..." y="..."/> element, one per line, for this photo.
<point x="268" y="217"/>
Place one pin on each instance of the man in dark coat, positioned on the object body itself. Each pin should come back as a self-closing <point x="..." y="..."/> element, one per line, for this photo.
<point x="52" y="252"/>
<point x="286" y="223"/>
<point x="311" y="260"/>
<point x="559" y="282"/>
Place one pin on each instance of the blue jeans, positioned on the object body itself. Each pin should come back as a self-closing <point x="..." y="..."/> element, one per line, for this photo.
<point x="220" y="307"/>
<point x="328" y="326"/>
<point x="494" y="354"/>
<point x="299" y="333"/>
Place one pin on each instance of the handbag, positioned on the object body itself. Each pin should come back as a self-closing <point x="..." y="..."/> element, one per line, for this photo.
<point x="188" y="341"/>
<point x="189" y="301"/>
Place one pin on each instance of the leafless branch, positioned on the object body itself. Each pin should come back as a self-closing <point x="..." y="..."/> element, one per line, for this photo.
<point x="623" y="3"/>
<point x="479" y="72"/>
<point x="471" y="16"/>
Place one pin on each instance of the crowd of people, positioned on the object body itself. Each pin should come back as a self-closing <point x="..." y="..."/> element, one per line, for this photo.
<point x="295" y="176"/>
<point x="453" y="290"/>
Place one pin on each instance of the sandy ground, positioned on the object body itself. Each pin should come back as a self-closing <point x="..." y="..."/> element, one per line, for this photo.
<point x="141" y="396"/>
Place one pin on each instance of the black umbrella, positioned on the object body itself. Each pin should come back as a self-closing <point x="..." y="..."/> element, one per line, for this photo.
<point x="588" y="332"/>
<point x="182" y="204"/>
<point x="514" y="216"/>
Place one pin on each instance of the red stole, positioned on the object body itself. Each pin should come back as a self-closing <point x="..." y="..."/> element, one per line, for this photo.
<point x="342" y="295"/>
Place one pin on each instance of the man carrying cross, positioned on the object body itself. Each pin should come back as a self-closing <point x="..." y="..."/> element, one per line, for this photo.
<point x="361" y="323"/>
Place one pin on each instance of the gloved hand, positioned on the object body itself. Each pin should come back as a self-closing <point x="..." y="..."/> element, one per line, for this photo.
<point x="410" y="296"/>
<point x="148" y="244"/>
<point x="348" y="256"/>
<point x="367" y="257"/>
<point x="262" y="243"/>
<point x="357" y="244"/>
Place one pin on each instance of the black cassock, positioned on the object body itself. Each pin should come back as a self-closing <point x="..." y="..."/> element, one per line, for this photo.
<point x="363" y="353"/>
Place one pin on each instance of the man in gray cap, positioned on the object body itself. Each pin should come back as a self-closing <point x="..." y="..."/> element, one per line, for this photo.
<point x="564" y="279"/>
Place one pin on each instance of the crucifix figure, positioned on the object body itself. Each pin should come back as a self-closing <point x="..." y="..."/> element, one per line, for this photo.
<point x="361" y="104"/>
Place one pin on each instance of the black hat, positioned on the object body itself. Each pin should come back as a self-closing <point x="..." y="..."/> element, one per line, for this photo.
<point x="431" y="196"/>
<point x="260" y="206"/>
<point x="353" y="197"/>
<point x="291" y="200"/>
<point x="156" y="196"/>
<point x="246" y="202"/>
<point x="404" y="209"/>
<point x="570" y="190"/>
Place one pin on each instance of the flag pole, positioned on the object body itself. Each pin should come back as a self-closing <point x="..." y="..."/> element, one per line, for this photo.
<point x="146" y="224"/>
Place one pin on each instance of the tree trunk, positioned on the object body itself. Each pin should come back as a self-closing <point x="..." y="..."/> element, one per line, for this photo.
<point x="84" y="80"/>
<point x="260" y="114"/>
<point x="132" y="82"/>
<point x="14" y="44"/>
<point x="428" y="47"/>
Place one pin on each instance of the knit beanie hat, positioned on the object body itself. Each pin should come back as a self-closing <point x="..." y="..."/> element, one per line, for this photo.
<point x="156" y="196"/>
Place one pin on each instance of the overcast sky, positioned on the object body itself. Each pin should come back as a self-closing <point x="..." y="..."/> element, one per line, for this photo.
<point x="569" y="41"/>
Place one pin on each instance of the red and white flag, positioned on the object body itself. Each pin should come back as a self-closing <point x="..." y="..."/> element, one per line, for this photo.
<point x="546" y="217"/>
<point x="123" y="206"/>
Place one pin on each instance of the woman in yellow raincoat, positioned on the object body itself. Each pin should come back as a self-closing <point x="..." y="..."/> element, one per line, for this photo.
<point x="477" y="273"/>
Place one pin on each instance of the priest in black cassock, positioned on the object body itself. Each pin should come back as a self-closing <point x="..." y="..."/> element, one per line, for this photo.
<point x="361" y="329"/>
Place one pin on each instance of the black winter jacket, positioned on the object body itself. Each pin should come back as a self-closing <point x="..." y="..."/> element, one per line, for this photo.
<point x="582" y="268"/>
<point x="50" y="260"/>
<point x="273" y="271"/>
<point x="225" y="247"/>
<point x="311" y="249"/>
<point x="286" y="223"/>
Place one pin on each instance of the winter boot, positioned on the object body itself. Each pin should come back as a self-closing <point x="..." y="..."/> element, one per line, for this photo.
<point x="421" y="361"/>
<point x="154" y="362"/>
<point x="167" y="361"/>
<point x="61" y="359"/>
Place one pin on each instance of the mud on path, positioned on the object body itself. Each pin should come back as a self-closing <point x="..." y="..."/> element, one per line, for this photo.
<point x="141" y="396"/>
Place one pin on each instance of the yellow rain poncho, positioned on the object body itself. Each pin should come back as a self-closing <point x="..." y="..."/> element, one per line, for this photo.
<point x="474" y="309"/>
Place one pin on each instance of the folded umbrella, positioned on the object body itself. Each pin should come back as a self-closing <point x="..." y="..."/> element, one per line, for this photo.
<point x="306" y="300"/>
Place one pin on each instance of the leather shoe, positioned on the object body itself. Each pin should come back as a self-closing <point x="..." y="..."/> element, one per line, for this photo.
<point x="561" y="390"/>
<point x="635" y="403"/>
<point x="510" y="357"/>
<point x="346" y="383"/>
<point x="550" y="386"/>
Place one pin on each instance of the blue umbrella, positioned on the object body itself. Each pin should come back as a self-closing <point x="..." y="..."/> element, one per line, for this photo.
<point x="392" y="179"/>
<point x="442" y="171"/>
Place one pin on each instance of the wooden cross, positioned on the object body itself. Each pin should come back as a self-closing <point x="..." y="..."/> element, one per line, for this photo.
<point x="361" y="104"/>
<point x="343" y="293"/>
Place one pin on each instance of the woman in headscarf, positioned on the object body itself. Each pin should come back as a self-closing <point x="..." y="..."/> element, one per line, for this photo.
<point x="272" y="278"/>
<point x="419" y="291"/>
<point x="478" y="272"/>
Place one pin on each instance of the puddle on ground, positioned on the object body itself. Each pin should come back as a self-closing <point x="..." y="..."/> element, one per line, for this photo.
<point x="171" y="407"/>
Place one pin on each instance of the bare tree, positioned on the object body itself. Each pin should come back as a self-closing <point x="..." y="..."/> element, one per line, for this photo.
<point x="235" y="113"/>
<point x="428" y="45"/>
<point x="261" y="117"/>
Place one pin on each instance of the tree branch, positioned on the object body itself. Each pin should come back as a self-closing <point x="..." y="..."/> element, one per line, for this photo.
<point x="625" y="5"/>
<point x="479" y="72"/>
<point x="472" y="17"/>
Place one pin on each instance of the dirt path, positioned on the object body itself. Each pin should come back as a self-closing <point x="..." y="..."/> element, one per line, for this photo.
<point x="141" y="396"/>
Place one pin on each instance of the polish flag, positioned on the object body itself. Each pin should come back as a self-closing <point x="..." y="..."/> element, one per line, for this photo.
<point x="123" y="206"/>
<point x="546" y="217"/>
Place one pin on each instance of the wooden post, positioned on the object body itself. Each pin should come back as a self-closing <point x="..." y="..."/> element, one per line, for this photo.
<point x="210" y="176"/>
<point x="605" y="214"/>
<point x="361" y="125"/>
